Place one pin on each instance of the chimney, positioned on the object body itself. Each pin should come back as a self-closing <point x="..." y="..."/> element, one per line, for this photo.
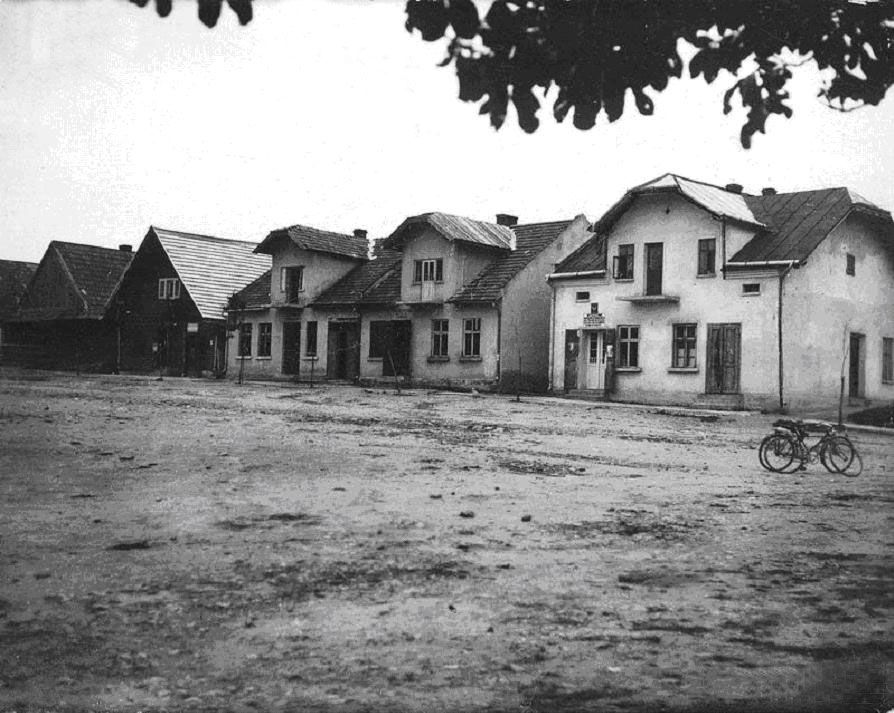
<point x="768" y="191"/>
<point x="510" y="221"/>
<point x="734" y="187"/>
<point x="360" y="233"/>
<point x="125" y="248"/>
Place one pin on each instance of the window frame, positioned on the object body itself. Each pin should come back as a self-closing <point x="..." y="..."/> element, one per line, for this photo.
<point x="751" y="293"/>
<point x="625" y="343"/>
<point x="689" y="344"/>
<point x="245" y="340"/>
<point x="379" y="331"/>
<point x="628" y="263"/>
<point x="265" y="339"/>
<point x="430" y="269"/>
<point x="582" y="296"/>
<point x="707" y="248"/>
<point x="850" y="264"/>
<point x="310" y="338"/>
<point x="286" y="277"/>
<point x="168" y="288"/>
<point x="440" y="338"/>
<point x="888" y="360"/>
<point x="471" y="338"/>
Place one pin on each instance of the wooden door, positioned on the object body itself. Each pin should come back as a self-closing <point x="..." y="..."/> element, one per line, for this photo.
<point x="596" y="360"/>
<point x="855" y="375"/>
<point x="291" y="347"/>
<point x="654" y="267"/>
<point x="723" y="358"/>
<point x="572" y="352"/>
<point x="397" y="352"/>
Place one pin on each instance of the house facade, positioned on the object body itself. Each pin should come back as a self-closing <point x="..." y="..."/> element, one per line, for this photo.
<point x="276" y="330"/>
<point x="173" y="299"/>
<point x="67" y="318"/>
<point x="690" y="293"/>
<point x="14" y="279"/>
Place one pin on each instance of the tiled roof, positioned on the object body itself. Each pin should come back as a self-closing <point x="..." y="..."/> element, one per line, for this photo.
<point x="589" y="256"/>
<point x="531" y="239"/>
<point x="324" y="241"/>
<point x="714" y="199"/>
<point x="211" y="269"/>
<point x="14" y="277"/>
<point x="256" y="294"/>
<point x="456" y="227"/>
<point x="363" y="282"/>
<point x="96" y="272"/>
<point x="798" y="222"/>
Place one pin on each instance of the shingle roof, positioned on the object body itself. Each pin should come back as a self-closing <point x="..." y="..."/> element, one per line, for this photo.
<point x="531" y="239"/>
<point x="256" y="294"/>
<point x="798" y="222"/>
<point x="589" y="256"/>
<point x="324" y="241"/>
<point x="211" y="269"/>
<point x="362" y="281"/>
<point x="14" y="277"/>
<point x="456" y="227"/>
<point x="96" y="272"/>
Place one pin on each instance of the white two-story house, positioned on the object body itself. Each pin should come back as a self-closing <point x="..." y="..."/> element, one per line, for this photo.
<point x="691" y="293"/>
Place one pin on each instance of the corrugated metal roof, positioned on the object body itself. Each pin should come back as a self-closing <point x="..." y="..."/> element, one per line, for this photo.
<point x="360" y="282"/>
<point x="456" y="227"/>
<point x="324" y="241"/>
<point x="96" y="272"/>
<point x="14" y="277"/>
<point x="212" y="269"/>
<point x="531" y="239"/>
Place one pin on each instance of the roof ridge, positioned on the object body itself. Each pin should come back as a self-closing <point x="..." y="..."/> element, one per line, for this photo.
<point x="312" y="227"/>
<point x="86" y="245"/>
<point x="183" y="233"/>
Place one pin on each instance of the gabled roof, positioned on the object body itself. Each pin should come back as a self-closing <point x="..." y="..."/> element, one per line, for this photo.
<point x="798" y="222"/>
<point x="531" y="239"/>
<point x="364" y="283"/>
<point x="14" y="277"/>
<point x="714" y="199"/>
<point x="455" y="228"/>
<point x="256" y="294"/>
<point x="588" y="257"/>
<point x="323" y="241"/>
<point x="211" y="269"/>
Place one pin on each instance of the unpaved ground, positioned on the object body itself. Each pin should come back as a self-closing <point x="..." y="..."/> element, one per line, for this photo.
<point x="183" y="544"/>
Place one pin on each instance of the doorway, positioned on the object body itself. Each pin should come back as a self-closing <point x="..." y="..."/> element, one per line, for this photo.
<point x="654" y="267"/>
<point x="572" y="352"/>
<point x="291" y="347"/>
<point x="343" y="350"/>
<point x="724" y="358"/>
<point x="856" y="381"/>
<point x="595" y="362"/>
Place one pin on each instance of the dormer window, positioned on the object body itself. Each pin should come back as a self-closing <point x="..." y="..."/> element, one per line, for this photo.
<point x="291" y="282"/>
<point x="169" y="288"/>
<point x="431" y="270"/>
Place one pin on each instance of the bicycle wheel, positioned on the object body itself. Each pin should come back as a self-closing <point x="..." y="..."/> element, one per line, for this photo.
<point x="837" y="454"/>
<point x="776" y="452"/>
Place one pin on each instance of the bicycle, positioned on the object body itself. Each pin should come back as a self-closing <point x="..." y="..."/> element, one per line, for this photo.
<point x="785" y="450"/>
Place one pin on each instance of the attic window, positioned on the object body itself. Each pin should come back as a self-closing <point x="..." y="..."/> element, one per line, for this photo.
<point x="751" y="288"/>
<point x="581" y="296"/>
<point x="169" y="288"/>
<point x="851" y="268"/>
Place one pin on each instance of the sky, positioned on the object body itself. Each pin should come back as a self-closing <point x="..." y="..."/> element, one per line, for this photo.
<point x="329" y="113"/>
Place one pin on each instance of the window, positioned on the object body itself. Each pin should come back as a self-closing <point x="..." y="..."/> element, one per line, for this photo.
<point x="594" y="349"/>
<point x="168" y="288"/>
<point x="472" y="337"/>
<point x="265" y="339"/>
<point x="439" y="337"/>
<point x="706" y="252"/>
<point x="428" y="270"/>
<point x="581" y="296"/>
<point x="751" y="288"/>
<point x="245" y="340"/>
<point x="628" y="347"/>
<point x="379" y="335"/>
<point x="291" y="282"/>
<point x="622" y="268"/>
<point x="310" y="342"/>
<point x="851" y="268"/>
<point x="888" y="360"/>
<point x="683" y="354"/>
